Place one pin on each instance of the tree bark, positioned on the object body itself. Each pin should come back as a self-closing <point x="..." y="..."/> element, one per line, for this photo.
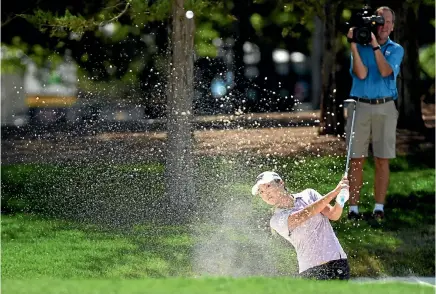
<point x="316" y="60"/>
<point x="409" y="100"/>
<point x="243" y="31"/>
<point x="179" y="168"/>
<point x="332" y="118"/>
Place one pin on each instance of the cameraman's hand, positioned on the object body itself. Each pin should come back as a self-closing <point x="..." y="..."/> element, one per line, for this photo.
<point x="350" y="33"/>
<point x="374" y="42"/>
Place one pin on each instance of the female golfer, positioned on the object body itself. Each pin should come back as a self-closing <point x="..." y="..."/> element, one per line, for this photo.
<point x="303" y="220"/>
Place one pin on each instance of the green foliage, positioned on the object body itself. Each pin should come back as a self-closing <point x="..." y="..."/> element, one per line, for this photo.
<point x="427" y="60"/>
<point x="128" y="20"/>
<point x="212" y="18"/>
<point x="427" y="56"/>
<point x="346" y="14"/>
<point x="16" y="54"/>
<point x="11" y="61"/>
<point x="216" y="12"/>
<point x="257" y="22"/>
<point x="133" y="19"/>
<point x="59" y="26"/>
<point x="204" y="35"/>
<point x="142" y="13"/>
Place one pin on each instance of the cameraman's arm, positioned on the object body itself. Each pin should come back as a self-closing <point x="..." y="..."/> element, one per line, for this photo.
<point x="359" y="69"/>
<point x="383" y="66"/>
<point x="391" y="64"/>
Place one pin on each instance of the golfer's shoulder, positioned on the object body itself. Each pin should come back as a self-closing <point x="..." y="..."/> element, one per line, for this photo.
<point x="279" y="219"/>
<point x="308" y="195"/>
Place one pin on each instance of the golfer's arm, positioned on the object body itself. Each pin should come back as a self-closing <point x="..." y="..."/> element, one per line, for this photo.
<point x="333" y="212"/>
<point x="314" y="208"/>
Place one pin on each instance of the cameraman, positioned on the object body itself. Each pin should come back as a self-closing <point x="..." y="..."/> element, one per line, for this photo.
<point x="374" y="69"/>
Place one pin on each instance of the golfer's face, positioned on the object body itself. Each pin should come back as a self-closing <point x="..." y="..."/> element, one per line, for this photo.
<point x="269" y="193"/>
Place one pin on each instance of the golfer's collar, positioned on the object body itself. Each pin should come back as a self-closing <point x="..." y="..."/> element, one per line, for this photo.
<point x="296" y="196"/>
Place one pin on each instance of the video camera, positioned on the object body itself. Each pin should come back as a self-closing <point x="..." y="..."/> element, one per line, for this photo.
<point x="364" y="23"/>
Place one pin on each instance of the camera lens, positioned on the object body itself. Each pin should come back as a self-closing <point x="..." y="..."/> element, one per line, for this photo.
<point x="363" y="34"/>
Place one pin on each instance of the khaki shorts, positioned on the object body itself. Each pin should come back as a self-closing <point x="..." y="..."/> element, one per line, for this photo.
<point x="375" y="122"/>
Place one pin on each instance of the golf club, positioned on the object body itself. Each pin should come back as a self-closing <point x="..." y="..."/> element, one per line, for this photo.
<point x="344" y="193"/>
<point x="351" y="134"/>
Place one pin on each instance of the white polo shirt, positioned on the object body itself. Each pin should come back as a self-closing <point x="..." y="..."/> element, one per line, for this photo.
<point x="314" y="240"/>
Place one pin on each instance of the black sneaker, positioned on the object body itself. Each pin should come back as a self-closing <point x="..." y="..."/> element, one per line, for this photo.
<point x="378" y="215"/>
<point x="354" y="216"/>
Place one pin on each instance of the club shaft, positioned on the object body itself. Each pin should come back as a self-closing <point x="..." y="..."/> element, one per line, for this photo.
<point x="350" y="140"/>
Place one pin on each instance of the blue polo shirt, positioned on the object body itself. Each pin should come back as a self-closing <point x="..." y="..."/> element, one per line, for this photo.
<point x="374" y="85"/>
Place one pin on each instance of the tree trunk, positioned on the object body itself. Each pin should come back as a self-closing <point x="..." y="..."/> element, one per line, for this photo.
<point x="409" y="100"/>
<point x="179" y="184"/>
<point x="243" y="31"/>
<point x="316" y="60"/>
<point x="332" y="119"/>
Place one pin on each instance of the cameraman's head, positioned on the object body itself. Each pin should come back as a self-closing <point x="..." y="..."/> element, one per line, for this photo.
<point x="385" y="30"/>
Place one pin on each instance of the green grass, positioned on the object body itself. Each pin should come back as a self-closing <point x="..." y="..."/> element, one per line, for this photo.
<point x="205" y="285"/>
<point x="99" y="222"/>
<point x="38" y="248"/>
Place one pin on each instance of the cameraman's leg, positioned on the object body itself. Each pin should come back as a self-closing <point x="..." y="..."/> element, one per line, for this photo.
<point x="381" y="180"/>
<point x="359" y="149"/>
<point x="355" y="177"/>
<point x="384" y="144"/>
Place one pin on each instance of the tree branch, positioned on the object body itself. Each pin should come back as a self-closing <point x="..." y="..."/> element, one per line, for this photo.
<point x="116" y="17"/>
<point x="111" y="7"/>
<point x="7" y="21"/>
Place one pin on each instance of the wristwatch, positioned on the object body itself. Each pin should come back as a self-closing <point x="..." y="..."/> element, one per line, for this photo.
<point x="376" y="48"/>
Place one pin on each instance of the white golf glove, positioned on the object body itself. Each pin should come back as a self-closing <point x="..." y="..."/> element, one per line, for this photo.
<point x="343" y="196"/>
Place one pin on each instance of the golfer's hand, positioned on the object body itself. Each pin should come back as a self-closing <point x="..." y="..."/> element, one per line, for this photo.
<point x="344" y="193"/>
<point x="343" y="184"/>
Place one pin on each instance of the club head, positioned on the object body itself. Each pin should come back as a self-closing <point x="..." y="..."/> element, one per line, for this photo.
<point x="350" y="101"/>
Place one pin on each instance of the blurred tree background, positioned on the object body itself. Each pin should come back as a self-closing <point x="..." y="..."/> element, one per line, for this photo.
<point x="122" y="49"/>
<point x="231" y="57"/>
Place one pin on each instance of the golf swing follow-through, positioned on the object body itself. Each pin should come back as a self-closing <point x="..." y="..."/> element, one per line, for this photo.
<point x="303" y="219"/>
<point x="344" y="195"/>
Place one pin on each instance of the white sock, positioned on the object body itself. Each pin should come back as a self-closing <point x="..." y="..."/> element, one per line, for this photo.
<point x="378" y="206"/>
<point x="354" y="208"/>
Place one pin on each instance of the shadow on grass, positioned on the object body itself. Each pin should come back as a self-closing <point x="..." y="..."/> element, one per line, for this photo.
<point x="113" y="196"/>
<point x="154" y="253"/>
<point x="410" y="212"/>
<point x="402" y="245"/>
<point x="388" y="250"/>
<point x="413" y="211"/>
<point x="117" y="196"/>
